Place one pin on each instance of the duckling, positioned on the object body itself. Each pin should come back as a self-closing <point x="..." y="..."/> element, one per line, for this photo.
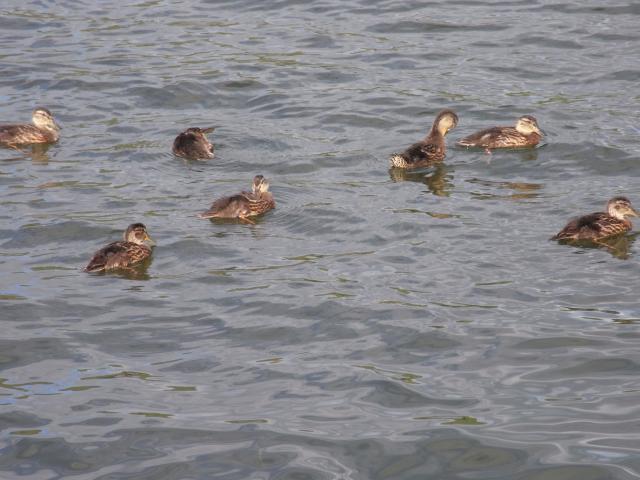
<point x="123" y="254"/>
<point x="43" y="130"/>
<point x="193" y="143"/>
<point x="430" y="150"/>
<point x="526" y="133"/>
<point x="243" y="204"/>
<point x="599" y="225"/>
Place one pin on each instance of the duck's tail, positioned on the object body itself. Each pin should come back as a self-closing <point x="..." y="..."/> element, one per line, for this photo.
<point x="398" y="161"/>
<point x="208" y="214"/>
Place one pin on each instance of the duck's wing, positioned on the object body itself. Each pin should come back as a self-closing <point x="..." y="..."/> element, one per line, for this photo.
<point x="181" y="144"/>
<point x="418" y="155"/>
<point x="7" y="132"/>
<point x="607" y="226"/>
<point x="200" y="148"/>
<point x="229" y="207"/>
<point x="493" y="137"/>
<point x="16" y="134"/>
<point x="591" y="226"/>
<point x="192" y="145"/>
<point x="117" y="255"/>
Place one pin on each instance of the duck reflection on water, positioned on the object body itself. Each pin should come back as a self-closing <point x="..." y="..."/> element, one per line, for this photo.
<point x="438" y="179"/>
<point x="619" y="247"/>
<point x="37" y="152"/>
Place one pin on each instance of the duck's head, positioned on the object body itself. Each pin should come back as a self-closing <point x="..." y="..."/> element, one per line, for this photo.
<point x="527" y="124"/>
<point x="42" y="118"/>
<point x="445" y="121"/>
<point x="260" y="184"/>
<point x="137" y="233"/>
<point x="620" y="207"/>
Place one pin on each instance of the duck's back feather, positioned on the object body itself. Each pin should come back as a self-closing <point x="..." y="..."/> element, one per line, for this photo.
<point x="190" y="145"/>
<point x="229" y="207"/>
<point x="499" y="137"/>
<point x="244" y="204"/>
<point x="117" y="255"/>
<point x="592" y="227"/>
<point x="421" y="154"/>
<point x="25" y="134"/>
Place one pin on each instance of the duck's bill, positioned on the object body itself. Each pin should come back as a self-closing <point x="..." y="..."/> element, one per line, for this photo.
<point x="150" y="241"/>
<point x="208" y="129"/>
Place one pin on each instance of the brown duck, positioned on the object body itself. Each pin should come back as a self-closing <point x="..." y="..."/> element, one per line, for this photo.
<point x="243" y="204"/>
<point x="526" y="133"/>
<point x="44" y="129"/>
<point x="599" y="225"/>
<point x="193" y="143"/>
<point x="430" y="150"/>
<point x="124" y="254"/>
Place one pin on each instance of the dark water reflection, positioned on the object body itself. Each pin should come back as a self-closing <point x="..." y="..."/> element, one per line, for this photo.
<point x="249" y="451"/>
<point x="439" y="180"/>
<point x="619" y="246"/>
<point x="378" y="323"/>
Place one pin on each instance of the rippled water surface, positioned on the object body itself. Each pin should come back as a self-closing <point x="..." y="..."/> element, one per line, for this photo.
<point x="376" y="325"/>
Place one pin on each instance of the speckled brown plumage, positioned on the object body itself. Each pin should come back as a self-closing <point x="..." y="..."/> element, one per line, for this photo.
<point x="599" y="225"/>
<point x="243" y="204"/>
<point x="122" y="254"/>
<point x="526" y="133"/>
<point x="193" y="144"/>
<point x="430" y="150"/>
<point x="43" y="130"/>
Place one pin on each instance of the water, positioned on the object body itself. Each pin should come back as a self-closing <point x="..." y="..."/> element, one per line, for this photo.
<point x="376" y="325"/>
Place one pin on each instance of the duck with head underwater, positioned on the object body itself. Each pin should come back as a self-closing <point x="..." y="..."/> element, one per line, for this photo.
<point x="43" y="129"/>
<point x="193" y="144"/>
<point x="430" y="150"/>
<point x="600" y="225"/>
<point x="244" y="204"/>
<point x="526" y="133"/>
<point x="125" y="253"/>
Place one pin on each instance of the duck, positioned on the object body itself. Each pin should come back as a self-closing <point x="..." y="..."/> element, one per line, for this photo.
<point x="123" y="254"/>
<point x="244" y="204"/>
<point x="430" y="150"/>
<point x="43" y="129"/>
<point x="526" y="133"/>
<point x="600" y="225"/>
<point x="193" y="143"/>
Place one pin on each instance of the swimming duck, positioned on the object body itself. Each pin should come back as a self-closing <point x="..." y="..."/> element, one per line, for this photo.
<point x="123" y="254"/>
<point x="599" y="225"/>
<point x="430" y="150"/>
<point x="243" y="204"/>
<point x="193" y="143"/>
<point x="526" y="133"/>
<point x="43" y="130"/>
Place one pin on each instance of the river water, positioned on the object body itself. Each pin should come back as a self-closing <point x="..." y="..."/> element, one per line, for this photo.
<point x="377" y="324"/>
